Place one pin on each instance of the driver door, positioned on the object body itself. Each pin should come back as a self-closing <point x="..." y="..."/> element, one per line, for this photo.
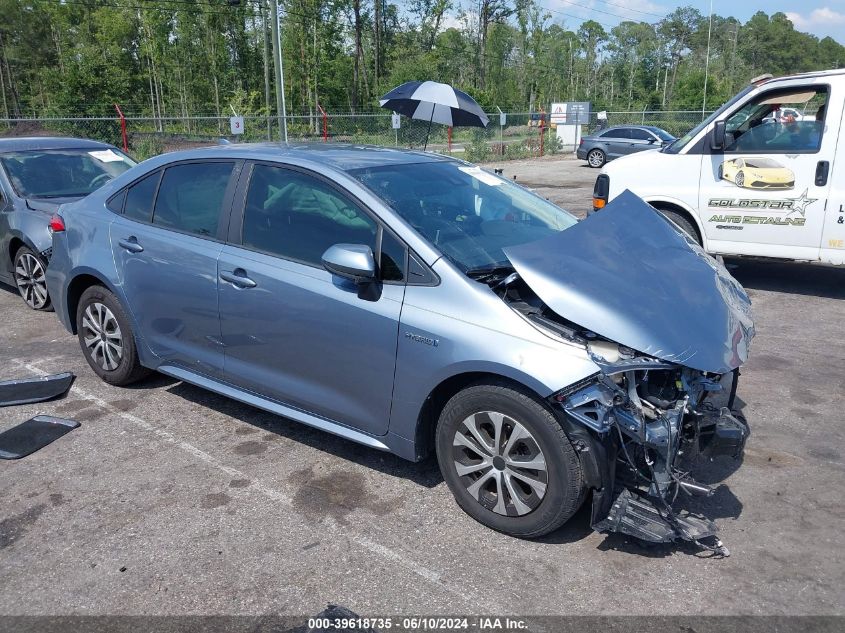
<point x="765" y="194"/>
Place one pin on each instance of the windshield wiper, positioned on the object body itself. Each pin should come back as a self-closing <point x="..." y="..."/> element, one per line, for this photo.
<point x="485" y="272"/>
<point x="59" y="195"/>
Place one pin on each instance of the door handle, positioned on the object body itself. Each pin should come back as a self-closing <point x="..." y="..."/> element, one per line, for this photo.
<point x="131" y="244"/>
<point x="238" y="278"/>
<point x="822" y="169"/>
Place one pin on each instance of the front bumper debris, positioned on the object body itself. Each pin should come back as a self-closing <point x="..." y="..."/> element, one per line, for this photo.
<point x="28" y="390"/>
<point x="653" y="420"/>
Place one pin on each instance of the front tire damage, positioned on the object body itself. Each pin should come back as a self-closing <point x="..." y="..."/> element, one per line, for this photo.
<point x="644" y="425"/>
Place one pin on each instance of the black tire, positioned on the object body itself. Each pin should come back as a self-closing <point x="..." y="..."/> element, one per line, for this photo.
<point x="29" y="269"/>
<point x="562" y="478"/>
<point x="596" y="158"/>
<point x="682" y="223"/>
<point x="113" y="326"/>
<point x="739" y="179"/>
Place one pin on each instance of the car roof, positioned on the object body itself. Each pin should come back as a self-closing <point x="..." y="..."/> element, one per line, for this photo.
<point x="339" y="156"/>
<point x="49" y="142"/>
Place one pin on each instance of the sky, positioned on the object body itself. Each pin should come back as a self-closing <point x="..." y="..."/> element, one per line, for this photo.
<point x="819" y="17"/>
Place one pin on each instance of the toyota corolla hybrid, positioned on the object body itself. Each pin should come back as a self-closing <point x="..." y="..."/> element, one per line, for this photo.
<point x="414" y="303"/>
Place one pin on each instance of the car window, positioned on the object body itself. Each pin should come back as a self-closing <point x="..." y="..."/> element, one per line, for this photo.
<point x="299" y="217"/>
<point x="63" y="173"/>
<point x="115" y="203"/>
<point x="393" y="256"/>
<point x="765" y="125"/>
<point x="139" y="198"/>
<point x="621" y="132"/>
<point x="641" y="135"/>
<point x="191" y="195"/>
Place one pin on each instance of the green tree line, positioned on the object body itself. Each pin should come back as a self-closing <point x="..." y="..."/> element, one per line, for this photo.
<point x="209" y="57"/>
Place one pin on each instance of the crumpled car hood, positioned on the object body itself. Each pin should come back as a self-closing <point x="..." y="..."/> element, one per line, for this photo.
<point x="628" y="275"/>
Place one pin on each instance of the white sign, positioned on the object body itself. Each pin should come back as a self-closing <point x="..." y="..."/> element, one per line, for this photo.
<point x="105" y="156"/>
<point x="602" y="116"/>
<point x="397" y="121"/>
<point x="558" y="113"/>
<point x="503" y="118"/>
<point x="237" y="124"/>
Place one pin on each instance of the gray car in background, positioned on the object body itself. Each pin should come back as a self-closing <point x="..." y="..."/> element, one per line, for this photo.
<point x="36" y="176"/>
<point x="415" y="303"/>
<point x="620" y="140"/>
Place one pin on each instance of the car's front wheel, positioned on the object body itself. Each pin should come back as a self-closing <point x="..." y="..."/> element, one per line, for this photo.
<point x="30" y="279"/>
<point x="106" y="338"/>
<point x="596" y="158"/>
<point x="507" y="460"/>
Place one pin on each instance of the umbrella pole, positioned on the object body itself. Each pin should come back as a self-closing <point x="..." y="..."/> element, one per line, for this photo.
<point x="429" y="128"/>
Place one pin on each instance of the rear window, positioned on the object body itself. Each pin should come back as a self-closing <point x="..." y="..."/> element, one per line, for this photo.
<point x="63" y="173"/>
<point x="190" y="197"/>
<point x="139" y="198"/>
<point x="621" y="132"/>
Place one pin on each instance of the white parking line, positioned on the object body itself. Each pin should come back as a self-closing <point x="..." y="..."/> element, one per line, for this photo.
<point x="255" y="486"/>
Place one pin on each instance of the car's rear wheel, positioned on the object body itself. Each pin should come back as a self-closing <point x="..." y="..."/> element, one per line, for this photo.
<point x="596" y="158"/>
<point x="507" y="460"/>
<point x="739" y="179"/>
<point x="106" y="338"/>
<point x="30" y="279"/>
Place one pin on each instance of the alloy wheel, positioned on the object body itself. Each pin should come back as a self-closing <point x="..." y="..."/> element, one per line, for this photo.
<point x="595" y="158"/>
<point x="102" y="336"/>
<point x="30" y="280"/>
<point x="500" y="463"/>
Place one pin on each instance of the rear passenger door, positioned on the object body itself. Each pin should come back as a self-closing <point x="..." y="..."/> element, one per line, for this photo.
<point x="617" y="142"/>
<point x="292" y="331"/>
<point x="165" y="241"/>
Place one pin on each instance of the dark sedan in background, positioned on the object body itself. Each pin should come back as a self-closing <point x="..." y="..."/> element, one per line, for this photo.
<point x="620" y="140"/>
<point x="36" y="176"/>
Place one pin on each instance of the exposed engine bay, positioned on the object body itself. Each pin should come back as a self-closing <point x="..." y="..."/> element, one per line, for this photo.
<point x="639" y="426"/>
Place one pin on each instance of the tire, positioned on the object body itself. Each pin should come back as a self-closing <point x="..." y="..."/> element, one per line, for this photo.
<point x="682" y="223"/>
<point x="535" y="501"/>
<point x="596" y="158"/>
<point x="29" y="268"/>
<point x="106" y="338"/>
<point x="739" y="179"/>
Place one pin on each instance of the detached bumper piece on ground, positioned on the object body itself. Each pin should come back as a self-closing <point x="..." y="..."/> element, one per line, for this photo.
<point x="32" y="435"/>
<point x="36" y="433"/>
<point x="29" y="390"/>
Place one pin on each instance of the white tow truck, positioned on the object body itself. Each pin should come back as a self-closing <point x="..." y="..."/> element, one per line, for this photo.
<point x="746" y="183"/>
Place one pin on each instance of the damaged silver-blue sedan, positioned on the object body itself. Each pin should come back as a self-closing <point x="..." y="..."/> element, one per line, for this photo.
<point x="416" y="303"/>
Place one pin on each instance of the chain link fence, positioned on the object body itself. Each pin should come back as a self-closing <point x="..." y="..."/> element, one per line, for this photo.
<point x="522" y="135"/>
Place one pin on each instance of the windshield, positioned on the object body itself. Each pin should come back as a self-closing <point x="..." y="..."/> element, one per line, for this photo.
<point x="682" y="142"/>
<point x="466" y="212"/>
<point x="761" y="163"/>
<point x="663" y="135"/>
<point x="63" y="173"/>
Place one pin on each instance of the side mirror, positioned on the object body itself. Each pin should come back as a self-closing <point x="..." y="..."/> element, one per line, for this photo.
<point x="653" y="140"/>
<point x="351" y="261"/>
<point x="717" y="140"/>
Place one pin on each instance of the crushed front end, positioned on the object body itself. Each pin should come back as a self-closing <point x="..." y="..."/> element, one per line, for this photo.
<point x="652" y="420"/>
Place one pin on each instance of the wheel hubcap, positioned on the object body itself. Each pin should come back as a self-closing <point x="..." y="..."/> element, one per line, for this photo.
<point x="102" y="336"/>
<point x="29" y="277"/>
<point x="595" y="158"/>
<point x="500" y="463"/>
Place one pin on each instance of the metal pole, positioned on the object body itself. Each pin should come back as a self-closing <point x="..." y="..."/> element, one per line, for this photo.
<point x="280" y="73"/>
<point x="707" y="61"/>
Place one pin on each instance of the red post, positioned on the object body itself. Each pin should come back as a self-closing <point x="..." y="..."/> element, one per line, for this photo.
<point x="450" y="139"/>
<point x="542" y="137"/>
<point x="122" y="128"/>
<point x="325" y="124"/>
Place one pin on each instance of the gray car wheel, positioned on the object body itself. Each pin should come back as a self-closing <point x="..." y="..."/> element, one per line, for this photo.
<point x="596" y="158"/>
<point x="30" y="279"/>
<point x="105" y="336"/>
<point x="507" y="460"/>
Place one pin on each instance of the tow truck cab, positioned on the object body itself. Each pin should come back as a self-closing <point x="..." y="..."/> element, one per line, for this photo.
<point x="744" y="182"/>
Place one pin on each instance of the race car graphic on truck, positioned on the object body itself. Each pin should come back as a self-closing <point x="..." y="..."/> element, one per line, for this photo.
<point x="757" y="173"/>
